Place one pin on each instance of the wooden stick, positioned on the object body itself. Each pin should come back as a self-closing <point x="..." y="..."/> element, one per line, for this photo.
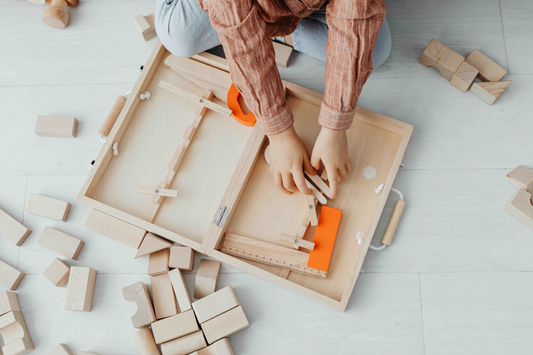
<point x="297" y="243"/>
<point x="393" y="224"/>
<point x="157" y="191"/>
<point x="112" y="116"/>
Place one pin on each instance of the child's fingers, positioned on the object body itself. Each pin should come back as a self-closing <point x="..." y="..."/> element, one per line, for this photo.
<point x="349" y="166"/>
<point x="279" y="182"/>
<point x="333" y="179"/>
<point x="307" y="166"/>
<point x="342" y="172"/>
<point x="288" y="183"/>
<point x="315" y="161"/>
<point x="299" y="179"/>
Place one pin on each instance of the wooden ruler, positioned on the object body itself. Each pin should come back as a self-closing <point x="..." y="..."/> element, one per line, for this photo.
<point x="271" y="254"/>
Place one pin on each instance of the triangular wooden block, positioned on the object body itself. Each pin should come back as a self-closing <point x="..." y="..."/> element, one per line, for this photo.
<point x="490" y="91"/>
<point x="521" y="207"/>
<point x="521" y="177"/>
<point x="151" y="244"/>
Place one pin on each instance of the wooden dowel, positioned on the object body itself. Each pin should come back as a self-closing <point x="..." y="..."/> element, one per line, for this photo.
<point x="112" y="116"/>
<point x="393" y="224"/>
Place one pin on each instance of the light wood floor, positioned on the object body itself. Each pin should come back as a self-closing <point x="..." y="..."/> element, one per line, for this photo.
<point x="458" y="278"/>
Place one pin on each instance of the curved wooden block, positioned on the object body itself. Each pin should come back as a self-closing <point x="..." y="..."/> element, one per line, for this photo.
<point x="13" y="329"/>
<point x="442" y="58"/>
<point x="138" y="293"/>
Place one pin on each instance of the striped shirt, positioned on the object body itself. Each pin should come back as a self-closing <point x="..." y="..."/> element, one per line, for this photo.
<point x="246" y="27"/>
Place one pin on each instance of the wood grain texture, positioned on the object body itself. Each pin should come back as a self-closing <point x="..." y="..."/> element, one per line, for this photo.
<point x="163" y="296"/>
<point x="490" y="91"/>
<point x="80" y="289"/>
<point x="464" y="76"/>
<point x="114" y="228"/>
<point x="221" y="347"/>
<point x="8" y="302"/>
<point x="521" y="177"/>
<point x="184" y="345"/>
<point x="48" y="207"/>
<point x="139" y="293"/>
<point x="10" y="277"/>
<point x="13" y="230"/>
<point x="181" y="258"/>
<point x="521" y="207"/>
<point x="206" y="278"/>
<point x="488" y="69"/>
<point x="60" y="242"/>
<point x="145" y="342"/>
<point x="158" y="262"/>
<point x="14" y="331"/>
<point x="225" y="324"/>
<point x="183" y="297"/>
<point x="56" y="126"/>
<point x="57" y="272"/>
<point x="215" y="304"/>
<point x="174" y="327"/>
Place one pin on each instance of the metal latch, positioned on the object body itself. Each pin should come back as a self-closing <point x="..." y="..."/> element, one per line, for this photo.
<point x="221" y="216"/>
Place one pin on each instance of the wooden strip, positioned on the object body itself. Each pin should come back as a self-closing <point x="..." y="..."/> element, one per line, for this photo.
<point x="174" y="327"/>
<point x="56" y="126"/>
<point x="297" y="242"/>
<point x="157" y="191"/>
<point x="80" y="289"/>
<point x="48" y="207"/>
<point x="112" y="116"/>
<point x="319" y="183"/>
<point x="311" y="205"/>
<point x="60" y="242"/>
<point x="199" y="71"/>
<point x="212" y="60"/>
<point x="115" y="228"/>
<point x="180" y="290"/>
<point x="13" y="230"/>
<point x="163" y="296"/>
<point x="10" y="277"/>
<point x="215" y="304"/>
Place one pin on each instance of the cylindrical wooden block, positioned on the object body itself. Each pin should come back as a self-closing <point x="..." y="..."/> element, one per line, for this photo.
<point x="56" y="14"/>
<point x="112" y="116"/>
<point x="145" y="342"/>
<point x="393" y="224"/>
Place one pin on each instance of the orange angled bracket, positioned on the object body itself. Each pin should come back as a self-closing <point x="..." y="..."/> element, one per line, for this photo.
<point x="233" y="104"/>
<point x="325" y="235"/>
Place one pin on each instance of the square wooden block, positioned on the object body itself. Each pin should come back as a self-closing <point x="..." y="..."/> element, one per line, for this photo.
<point x="57" y="272"/>
<point x="181" y="258"/>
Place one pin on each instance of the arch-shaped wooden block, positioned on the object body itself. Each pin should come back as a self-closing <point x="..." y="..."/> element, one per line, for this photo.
<point x="442" y="58"/>
<point x="138" y="293"/>
<point x="15" y="333"/>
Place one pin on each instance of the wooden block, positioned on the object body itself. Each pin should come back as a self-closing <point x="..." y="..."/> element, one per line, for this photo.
<point x="8" y="302"/>
<point x="297" y="242"/>
<point x="181" y="258"/>
<point x="10" y="277"/>
<point x="317" y="180"/>
<point x="57" y="272"/>
<point x="60" y="242"/>
<point x="174" y="327"/>
<point x="115" y="228"/>
<point x="138" y="293"/>
<point x="215" y="304"/>
<point x="152" y="243"/>
<point x="311" y="205"/>
<point x="163" y="296"/>
<point x="13" y="230"/>
<point x="225" y="324"/>
<point x="61" y="349"/>
<point x="464" y="77"/>
<point x="158" y="263"/>
<point x="221" y="347"/>
<point x="180" y="290"/>
<point x="283" y="54"/>
<point x="157" y="191"/>
<point x="56" y="126"/>
<point x="13" y="329"/>
<point x="521" y="207"/>
<point x="184" y="345"/>
<point x="80" y="289"/>
<point x="442" y="58"/>
<point x="488" y="69"/>
<point x="490" y="91"/>
<point x="206" y="278"/>
<point x="145" y="26"/>
<point x="145" y="342"/>
<point x="48" y="207"/>
<point x="521" y="177"/>
<point x="112" y="116"/>
<point x="324" y="239"/>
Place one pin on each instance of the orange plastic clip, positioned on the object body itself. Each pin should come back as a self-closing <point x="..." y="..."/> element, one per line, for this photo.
<point x="233" y="104"/>
<point x="325" y="235"/>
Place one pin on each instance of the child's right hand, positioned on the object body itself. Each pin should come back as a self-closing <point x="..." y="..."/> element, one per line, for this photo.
<point x="287" y="156"/>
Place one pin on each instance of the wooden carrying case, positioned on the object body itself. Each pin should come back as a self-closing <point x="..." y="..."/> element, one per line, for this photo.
<point x="224" y="181"/>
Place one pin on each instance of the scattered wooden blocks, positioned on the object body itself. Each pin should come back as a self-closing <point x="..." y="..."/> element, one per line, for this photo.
<point x="163" y="296"/>
<point x="181" y="258"/>
<point x="442" y="58"/>
<point x="13" y="329"/>
<point x="57" y="272"/>
<point x="56" y="126"/>
<point x="184" y="345"/>
<point x="180" y="290"/>
<point x="138" y="293"/>
<point x="488" y="69"/>
<point x="174" y="327"/>
<point x="60" y="242"/>
<point x="13" y="230"/>
<point x="151" y="244"/>
<point x="221" y="347"/>
<point x="114" y="228"/>
<point x="48" y="207"/>
<point x="464" y="77"/>
<point x="61" y="349"/>
<point x="521" y="177"/>
<point x="158" y="263"/>
<point x="225" y="324"/>
<point x="215" y="304"/>
<point x="145" y="25"/>
<point x="10" y="277"/>
<point x="8" y="302"/>
<point x="206" y="278"/>
<point x="145" y="342"/>
<point x="80" y="289"/>
<point x="490" y="91"/>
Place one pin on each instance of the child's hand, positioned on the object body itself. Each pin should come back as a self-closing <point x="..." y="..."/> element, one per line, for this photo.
<point x="331" y="148"/>
<point x="287" y="155"/>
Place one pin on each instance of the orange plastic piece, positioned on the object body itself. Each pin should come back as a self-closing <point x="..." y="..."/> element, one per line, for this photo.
<point x="233" y="104"/>
<point x="325" y="235"/>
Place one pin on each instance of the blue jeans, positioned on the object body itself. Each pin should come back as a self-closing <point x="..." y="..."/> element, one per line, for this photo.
<point x="185" y="30"/>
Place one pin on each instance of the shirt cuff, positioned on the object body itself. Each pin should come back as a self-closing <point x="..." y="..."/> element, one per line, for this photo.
<point x="280" y="121"/>
<point x="335" y="119"/>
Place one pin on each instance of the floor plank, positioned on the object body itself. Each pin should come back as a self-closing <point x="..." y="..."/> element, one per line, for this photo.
<point x="518" y="30"/>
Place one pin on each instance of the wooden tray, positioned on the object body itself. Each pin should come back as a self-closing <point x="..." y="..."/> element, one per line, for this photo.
<point x="224" y="172"/>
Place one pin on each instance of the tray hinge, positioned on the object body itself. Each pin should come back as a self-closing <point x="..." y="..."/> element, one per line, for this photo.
<point x="221" y="216"/>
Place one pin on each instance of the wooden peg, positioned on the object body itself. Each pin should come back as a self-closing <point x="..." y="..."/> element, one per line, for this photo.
<point x="60" y="242"/>
<point x="13" y="230"/>
<point x="296" y="243"/>
<point x="181" y="258"/>
<point x="157" y="191"/>
<point x="151" y="244"/>
<point x="61" y="349"/>
<point x="80" y="289"/>
<point x="10" y="277"/>
<point x="14" y="331"/>
<point x="145" y="25"/>
<point x="115" y="228"/>
<point x="442" y="58"/>
<point x="138" y="293"/>
<point x="490" y="91"/>
<point x="488" y="69"/>
<point x="8" y="302"/>
<point x="180" y="290"/>
<point x="48" y="207"/>
<point x="56" y="126"/>
<point x="464" y="77"/>
<point x="174" y="327"/>
<point x="225" y="324"/>
<point x="112" y="116"/>
<point x="158" y="263"/>
<point x="163" y="296"/>
<point x="57" y="272"/>
<point x="145" y="342"/>
<point x="56" y="14"/>
<point x="215" y="304"/>
<point x="311" y="205"/>
<point x="393" y="223"/>
<point x="206" y="278"/>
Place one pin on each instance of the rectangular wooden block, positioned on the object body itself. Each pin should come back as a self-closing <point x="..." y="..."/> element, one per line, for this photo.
<point x="14" y="331"/>
<point x="13" y="230"/>
<point x="181" y="258"/>
<point x="180" y="290"/>
<point x="145" y="342"/>
<point x="215" y="304"/>
<point x="9" y="302"/>
<point x="145" y="26"/>
<point x="60" y="242"/>
<point x="115" y="228"/>
<point x="174" y="327"/>
<point x="57" y="272"/>
<point x="163" y="296"/>
<point x="138" y="293"/>
<point x="56" y="126"/>
<point x="184" y="345"/>
<point x="61" y="349"/>
<point x="80" y="289"/>
<point x="10" y="277"/>
<point x="488" y="69"/>
<point x="48" y="207"/>
<point x="158" y="263"/>
<point x="206" y="278"/>
<point x="221" y="347"/>
<point x="225" y="324"/>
